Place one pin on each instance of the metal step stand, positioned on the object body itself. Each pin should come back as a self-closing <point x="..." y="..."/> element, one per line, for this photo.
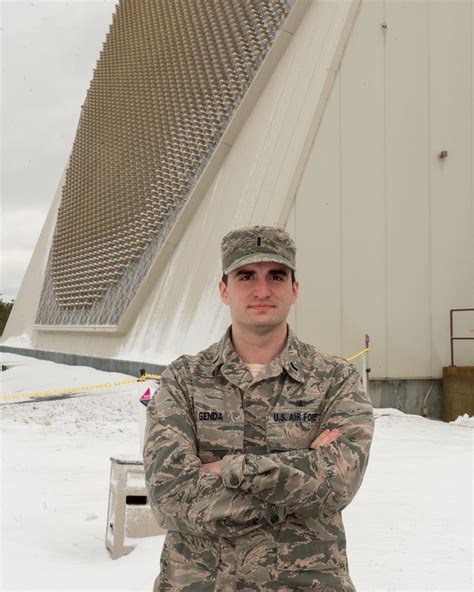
<point x="129" y="515"/>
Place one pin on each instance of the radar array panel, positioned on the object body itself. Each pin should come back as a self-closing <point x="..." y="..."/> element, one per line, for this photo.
<point x="169" y="79"/>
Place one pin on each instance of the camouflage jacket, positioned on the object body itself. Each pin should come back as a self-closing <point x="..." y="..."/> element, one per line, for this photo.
<point x="273" y="521"/>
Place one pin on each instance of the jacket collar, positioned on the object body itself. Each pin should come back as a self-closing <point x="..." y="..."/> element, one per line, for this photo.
<point x="232" y="367"/>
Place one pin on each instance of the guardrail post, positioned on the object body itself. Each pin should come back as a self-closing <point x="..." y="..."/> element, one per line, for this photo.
<point x="365" y="363"/>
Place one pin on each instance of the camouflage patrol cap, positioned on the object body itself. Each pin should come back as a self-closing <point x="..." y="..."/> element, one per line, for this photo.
<point x="255" y="244"/>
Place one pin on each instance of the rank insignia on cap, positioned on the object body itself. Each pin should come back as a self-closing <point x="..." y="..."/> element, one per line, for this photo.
<point x="255" y="244"/>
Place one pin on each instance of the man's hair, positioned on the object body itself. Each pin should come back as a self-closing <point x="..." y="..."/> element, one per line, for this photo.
<point x="293" y="277"/>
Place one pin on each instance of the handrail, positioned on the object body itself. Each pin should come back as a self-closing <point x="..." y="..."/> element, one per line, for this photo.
<point x="451" y="337"/>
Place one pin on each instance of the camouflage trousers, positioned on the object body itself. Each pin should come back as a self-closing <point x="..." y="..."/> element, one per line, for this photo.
<point x="197" y="564"/>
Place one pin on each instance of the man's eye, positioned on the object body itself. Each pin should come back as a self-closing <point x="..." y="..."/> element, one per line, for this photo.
<point x="277" y="277"/>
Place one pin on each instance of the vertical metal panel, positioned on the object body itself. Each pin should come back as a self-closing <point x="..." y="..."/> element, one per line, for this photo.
<point x="291" y="228"/>
<point x="407" y="189"/>
<point x="318" y="236"/>
<point x="297" y="100"/>
<point x="452" y="230"/>
<point x="363" y="187"/>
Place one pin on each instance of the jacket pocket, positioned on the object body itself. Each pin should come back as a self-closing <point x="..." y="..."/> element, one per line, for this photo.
<point x="289" y="428"/>
<point x="216" y="438"/>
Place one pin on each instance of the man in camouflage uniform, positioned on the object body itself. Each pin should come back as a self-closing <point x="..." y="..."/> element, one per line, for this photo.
<point x="256" y="444"/>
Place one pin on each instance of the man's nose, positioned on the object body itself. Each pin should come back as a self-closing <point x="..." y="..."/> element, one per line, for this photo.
<point x="262" y="288"/>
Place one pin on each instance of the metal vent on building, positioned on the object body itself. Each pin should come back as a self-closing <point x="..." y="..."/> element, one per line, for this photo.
<point x="169" y="79"/>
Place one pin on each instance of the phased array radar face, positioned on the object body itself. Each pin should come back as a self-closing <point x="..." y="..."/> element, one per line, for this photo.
<point x="169" y="79"/>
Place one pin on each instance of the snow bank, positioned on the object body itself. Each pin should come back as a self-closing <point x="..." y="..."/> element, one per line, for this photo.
<point x="464" y="420"/>
<point x="408" y="529"/>
<point x="23" y="340"/>
<point x="27" y="375"/>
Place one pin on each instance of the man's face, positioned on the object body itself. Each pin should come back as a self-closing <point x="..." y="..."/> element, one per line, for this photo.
<point x="259" y="295"/>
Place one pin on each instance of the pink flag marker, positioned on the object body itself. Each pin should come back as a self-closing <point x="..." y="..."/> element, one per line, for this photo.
<point x="145" y="398"/>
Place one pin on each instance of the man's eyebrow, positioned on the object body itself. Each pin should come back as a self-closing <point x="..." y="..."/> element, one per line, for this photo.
<point x="278" y="272"/>
<point x="244" y="271"/>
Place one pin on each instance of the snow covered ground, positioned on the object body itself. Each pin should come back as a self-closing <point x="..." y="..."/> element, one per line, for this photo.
<point x="410" y="527"/>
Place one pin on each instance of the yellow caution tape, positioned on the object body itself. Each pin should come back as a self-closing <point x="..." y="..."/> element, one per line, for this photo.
<point x="147" y="376"/>
<point x="361" y="353"/>
<point x="93" y="387"/>
<point x="76" y="389"/>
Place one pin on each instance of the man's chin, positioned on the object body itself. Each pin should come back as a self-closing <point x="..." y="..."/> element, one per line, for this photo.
<point x="264" y="326"/>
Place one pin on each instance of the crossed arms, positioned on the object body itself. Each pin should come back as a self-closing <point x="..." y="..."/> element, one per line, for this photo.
<point x="243" y="491"/>
<point x="323" y="439"/>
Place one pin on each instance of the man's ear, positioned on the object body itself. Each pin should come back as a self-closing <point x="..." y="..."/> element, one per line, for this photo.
<point x="223" y="292"/>
<point x="295" y="289"/>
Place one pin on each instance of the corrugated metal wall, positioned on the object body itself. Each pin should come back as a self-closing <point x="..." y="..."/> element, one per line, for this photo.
<point x="385" y="227"/>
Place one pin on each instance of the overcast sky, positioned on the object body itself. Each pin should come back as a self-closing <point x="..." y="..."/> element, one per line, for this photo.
<point x="49" y="51"/>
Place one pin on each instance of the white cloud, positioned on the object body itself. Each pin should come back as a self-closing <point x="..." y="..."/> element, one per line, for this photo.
<point x="50" y="49"/>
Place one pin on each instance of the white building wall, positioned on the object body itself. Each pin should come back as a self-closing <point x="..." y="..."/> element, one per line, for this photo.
<point x="452" y="193"/>
<point x="385" y="227"/>
<point x="407" y="193"/>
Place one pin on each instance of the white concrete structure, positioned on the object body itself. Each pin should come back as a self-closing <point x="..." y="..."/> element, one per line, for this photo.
<point x="343" y="148"/>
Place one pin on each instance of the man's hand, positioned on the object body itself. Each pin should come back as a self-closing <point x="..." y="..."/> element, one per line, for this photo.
<point x="325" y="438"/>
<point x="212" y="467"/>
